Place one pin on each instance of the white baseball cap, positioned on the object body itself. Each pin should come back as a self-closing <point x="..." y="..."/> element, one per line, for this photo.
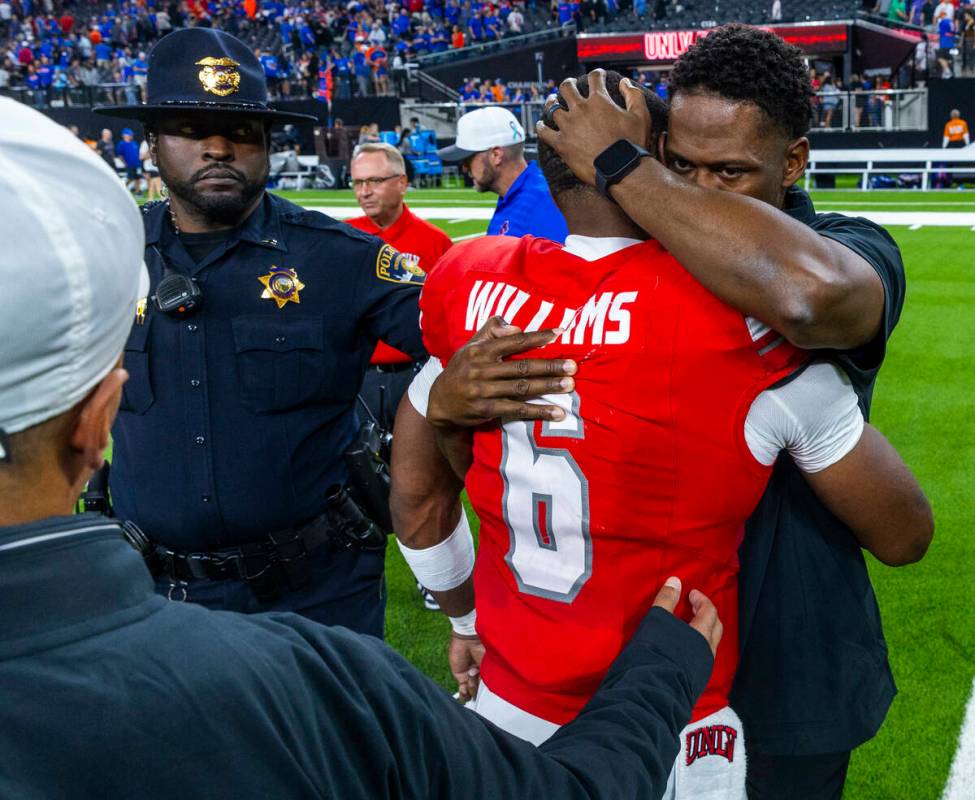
<point x="482" y="129"/>
<point x="71" y="269"/>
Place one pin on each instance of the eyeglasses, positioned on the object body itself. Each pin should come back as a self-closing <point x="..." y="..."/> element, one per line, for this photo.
<point x="359" y="183"/>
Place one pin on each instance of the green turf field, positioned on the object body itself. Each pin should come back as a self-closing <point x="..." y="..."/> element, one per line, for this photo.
<point x="948" y="200"/>
<point x="923" y="403"/>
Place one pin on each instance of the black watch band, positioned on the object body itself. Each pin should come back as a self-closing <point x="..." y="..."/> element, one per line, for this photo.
<point x="616" y="162"/>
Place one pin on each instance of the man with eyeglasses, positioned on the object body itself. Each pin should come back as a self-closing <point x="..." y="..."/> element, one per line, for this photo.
<point x="490" y="147"/>
<point x="379" y="181"/>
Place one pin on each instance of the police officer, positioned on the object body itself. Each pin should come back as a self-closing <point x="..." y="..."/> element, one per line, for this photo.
<point x="245" y="358"/>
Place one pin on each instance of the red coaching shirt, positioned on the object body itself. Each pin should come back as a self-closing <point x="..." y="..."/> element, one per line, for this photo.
<point x="648" y="476"/>
<point x="420" y="242"/>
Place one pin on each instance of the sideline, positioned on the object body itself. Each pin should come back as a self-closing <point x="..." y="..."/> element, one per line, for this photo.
<point x="961" y="777"/>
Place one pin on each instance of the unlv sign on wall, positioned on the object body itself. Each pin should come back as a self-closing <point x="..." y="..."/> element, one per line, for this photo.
<point x="667" y="46"/>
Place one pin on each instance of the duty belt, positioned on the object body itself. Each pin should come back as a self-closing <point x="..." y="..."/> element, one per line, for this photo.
<point x="267" y="565"/>
<point x="248" y="561"/>
<point x="272" y="563"/>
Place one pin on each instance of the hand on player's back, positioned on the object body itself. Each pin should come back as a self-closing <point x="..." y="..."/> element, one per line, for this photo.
<point x="479" y="386"/>
<point x="705" y="620"/>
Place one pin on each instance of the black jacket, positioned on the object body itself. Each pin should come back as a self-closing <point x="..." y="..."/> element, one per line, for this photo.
<point x="110" y="691"/>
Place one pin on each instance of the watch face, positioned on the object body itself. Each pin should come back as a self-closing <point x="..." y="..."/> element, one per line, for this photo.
<point x="615" y="157"/>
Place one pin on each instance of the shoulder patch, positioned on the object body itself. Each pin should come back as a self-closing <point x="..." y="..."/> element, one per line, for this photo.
<point x="394" y="267"/>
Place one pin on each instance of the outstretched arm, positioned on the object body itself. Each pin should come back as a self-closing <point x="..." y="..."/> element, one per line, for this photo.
<point x="418" y="743"/>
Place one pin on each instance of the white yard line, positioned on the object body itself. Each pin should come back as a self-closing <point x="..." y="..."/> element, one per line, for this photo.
<point x="465" y="237"/>
<point x="892" y="204"/>
<point x="949" y="219"/>
<point x="937" y="219"/>
<point x="444" y="212"/>
<point x="915" y="227"/>
<point x="961" y="778"/>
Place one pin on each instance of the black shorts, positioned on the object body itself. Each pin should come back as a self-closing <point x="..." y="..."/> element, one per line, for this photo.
<point x="945" y="53"/>
<point x="132" y="173"/>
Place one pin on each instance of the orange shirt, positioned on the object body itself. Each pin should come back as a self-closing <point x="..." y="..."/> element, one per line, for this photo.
<point x="956" y="130"/>
<point x="416" y="239"/>
<point x="457" y="40"/>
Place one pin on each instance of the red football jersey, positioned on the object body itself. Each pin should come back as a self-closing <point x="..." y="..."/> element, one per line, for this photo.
<point x="648" y="476"/>
<point x="420" y="242"/>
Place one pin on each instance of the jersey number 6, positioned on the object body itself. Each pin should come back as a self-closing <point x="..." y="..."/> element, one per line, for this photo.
<point x="546" y="506"/>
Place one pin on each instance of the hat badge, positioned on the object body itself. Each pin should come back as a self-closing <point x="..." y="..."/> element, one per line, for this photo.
<point x="219" y="76"/>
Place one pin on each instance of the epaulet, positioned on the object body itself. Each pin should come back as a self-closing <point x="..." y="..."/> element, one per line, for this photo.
<point x="151" y="204"/>
<point x="292" y="214"/>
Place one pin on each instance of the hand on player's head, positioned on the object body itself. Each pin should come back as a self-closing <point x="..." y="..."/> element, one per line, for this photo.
<point x="705" y="620"/>
<point x="589" y="114"/>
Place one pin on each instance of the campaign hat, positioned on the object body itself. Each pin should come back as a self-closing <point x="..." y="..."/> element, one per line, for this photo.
<point x="203" y="70"/>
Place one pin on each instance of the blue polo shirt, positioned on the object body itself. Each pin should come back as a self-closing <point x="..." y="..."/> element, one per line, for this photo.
<point x="528" y="208"/>
<point x="946" y="34"/>
<point x="129" y="153"/>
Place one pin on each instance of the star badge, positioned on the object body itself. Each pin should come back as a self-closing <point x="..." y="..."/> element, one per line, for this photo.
<point x="281" y="285"/>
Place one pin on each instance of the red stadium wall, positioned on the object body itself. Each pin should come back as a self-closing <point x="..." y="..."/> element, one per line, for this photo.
<point x="664" y="47"/>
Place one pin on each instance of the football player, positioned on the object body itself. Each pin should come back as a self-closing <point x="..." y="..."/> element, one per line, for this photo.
<point x="678" y="410"/>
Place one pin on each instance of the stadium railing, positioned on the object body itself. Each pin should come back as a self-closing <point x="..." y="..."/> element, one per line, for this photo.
<point x="484" y="48"/>
<point x="81" y="96"/>
<point x="901" y="162"/>
<point x="882" y="109"/>
<point x="886" y="110"/>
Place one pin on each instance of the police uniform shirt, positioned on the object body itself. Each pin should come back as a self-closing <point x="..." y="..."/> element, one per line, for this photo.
<point x="234" y="421"/>
<point x="528" y="208"/>
<point x="813" y="676"/>
<point x="112" y="691"/>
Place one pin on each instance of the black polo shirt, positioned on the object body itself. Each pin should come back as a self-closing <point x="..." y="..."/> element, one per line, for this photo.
<point x="814" y="676"/>
<point x="234" y="421"/>
<point x="111" y="691"/>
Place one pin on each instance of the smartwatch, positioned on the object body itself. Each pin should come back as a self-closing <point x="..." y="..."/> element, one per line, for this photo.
<point x="615" y="163"/>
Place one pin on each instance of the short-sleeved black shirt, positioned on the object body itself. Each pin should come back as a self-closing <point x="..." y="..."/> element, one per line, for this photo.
<point x="234" y="421"/>
<point x="814" y="676"/>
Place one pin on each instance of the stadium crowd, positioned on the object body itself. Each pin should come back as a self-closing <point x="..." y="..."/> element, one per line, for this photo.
<point x="313" y="47"/>
<point x="96" y="51"/>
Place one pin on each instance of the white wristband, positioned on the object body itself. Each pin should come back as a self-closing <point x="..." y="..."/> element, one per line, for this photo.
<point x="447" y="564"/>
<point x="464" y="625"/>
